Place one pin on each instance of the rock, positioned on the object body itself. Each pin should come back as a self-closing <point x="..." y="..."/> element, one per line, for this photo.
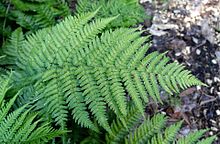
<point x="178" y="54"/>
<point x="214" y="129"/>
<point x="195" y="40"/>
<point x="217" y="112"/>
<point x="198" y="51"/>
<point x="165" y="26"/>
<point x="216" y="79"/>
<point x="214" y="61"/>
<point x="218" y="93"/>
<point x="209" y="81"/>
<point x="207" y="31"/>
<point x="198" y="87"/>
<point x="186" y="51"/>
<point x="156" y="32"/>
<point x="217" y="53"/>
<point x="143" y="1"/>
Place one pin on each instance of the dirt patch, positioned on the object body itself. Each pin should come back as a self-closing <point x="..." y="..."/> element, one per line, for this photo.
<point x="189" y="31"/>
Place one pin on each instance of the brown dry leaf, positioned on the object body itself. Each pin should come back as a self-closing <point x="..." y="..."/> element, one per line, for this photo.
<point x="187" y="92"/>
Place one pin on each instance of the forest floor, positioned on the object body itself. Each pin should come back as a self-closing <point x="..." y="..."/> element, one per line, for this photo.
<point x="190" y="31"/>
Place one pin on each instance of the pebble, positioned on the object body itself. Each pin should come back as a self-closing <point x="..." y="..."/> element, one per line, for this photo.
<point x="214" y="129"/>
<point x="217" y="53"/>
<point x="217" y="112"/>
<point x="143" y="1"/>
<point x="195" y="40"/>
<point x="188" y="25"/>
<point x="188" y="50"/>
<point x="185" y="131"/>
<point x="211" y="120"/>
<point x="209" y="81"/>
<point x="189" y="64"/>
<point x="163" y="113"/>
<point x="214" y="61"/>
<point x="198" y="87"/>
<point x="212" y="90"/>
<point x="176" y="11"/>
<point x="178" y="54"/>
<point x="216" y="79"/>
<point x="198" y="51"/>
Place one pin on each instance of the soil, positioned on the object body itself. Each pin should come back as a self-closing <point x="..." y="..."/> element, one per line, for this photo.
<point x="189" y="31"/>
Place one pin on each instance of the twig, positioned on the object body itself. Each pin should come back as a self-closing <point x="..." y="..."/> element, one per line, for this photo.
<point x="208" y="101"/>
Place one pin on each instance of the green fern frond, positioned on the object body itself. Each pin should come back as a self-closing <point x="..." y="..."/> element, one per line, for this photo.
<point x="170" y="132"/>
<point x="192" y="137"/>
<point x="130" y="11"/>
<point x="121" y="127"/>
<point x="19" y="126"/>
<point x="208" y="140"/>
<point x="146" y="130"/>
<point x="151" y="131"/>
<point x="74" y="66"/>
<point x="11" y="49"/>
<point x="4" y="87"/>
<point x="5" y="108"/>
<point x="32" y="15"/>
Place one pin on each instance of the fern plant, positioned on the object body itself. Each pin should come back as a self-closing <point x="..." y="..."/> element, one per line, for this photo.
<point x="20" y="126"/>
<point x="75" y="66"/>
<point x="10" y="49"/>
<point x="142" y="130"/>
<point x="130" y="11"/>
<point x="30" y="14"/>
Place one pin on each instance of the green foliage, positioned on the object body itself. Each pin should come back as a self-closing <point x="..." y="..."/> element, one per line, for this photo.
<point x="139" y="130"/>
<point x="10" y="49"/>
<point x="130" y="11"/>
<point x="20" y="126"/>
<point x="76" y="67"/>
<point x="30" y="14"/>
<point x="193" y="137"/>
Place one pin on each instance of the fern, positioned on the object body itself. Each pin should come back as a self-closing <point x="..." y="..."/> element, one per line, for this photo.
<point x="207" y="140"/>
<point x="19" y="125"/>
<point x="73" y="66"/>
<point x="191" y="138"/>
<point x="10" y="49"/>
<point x="30" y="14"/>
<point x="151" y="131"/>
<point x="45" y="13"/>
<point x="130" y="11"/>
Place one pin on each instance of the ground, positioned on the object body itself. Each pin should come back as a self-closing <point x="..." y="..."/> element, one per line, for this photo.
<point x="190" y="31"/>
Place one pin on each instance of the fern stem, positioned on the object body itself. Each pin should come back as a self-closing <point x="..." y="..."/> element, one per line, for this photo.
<point x="64" y="140"/>
<point x="4" y="23"/>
